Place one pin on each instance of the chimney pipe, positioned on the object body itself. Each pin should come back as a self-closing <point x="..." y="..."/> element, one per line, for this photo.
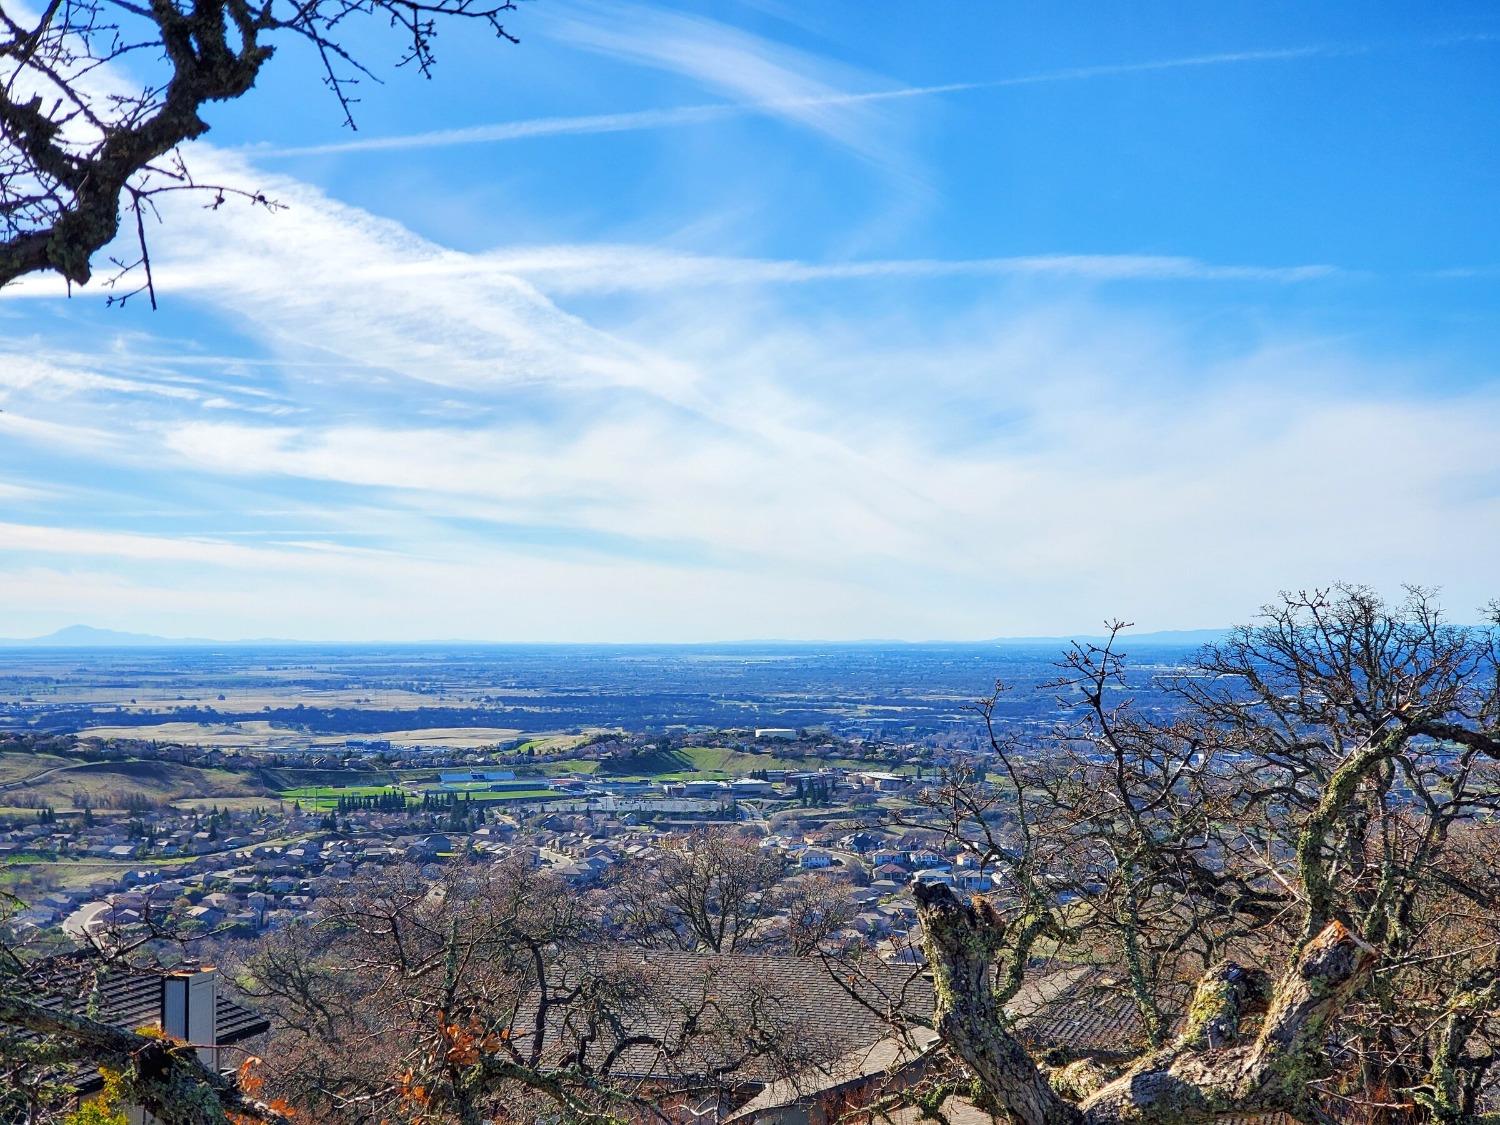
<point x="189" y="1010"/>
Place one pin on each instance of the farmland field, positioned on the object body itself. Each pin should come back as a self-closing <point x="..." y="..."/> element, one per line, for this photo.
<point x="291" y="695"/>
<point x="249" y="735"/>
<point x="254" y="734"/>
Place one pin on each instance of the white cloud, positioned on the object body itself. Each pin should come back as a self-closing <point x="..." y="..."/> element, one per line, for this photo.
<point x="511" y="131"/>
<point x="600" y="268"/>
<point x="1103" y="485"/>
<point x="473" y="452"/>
<point x="692" y="466"/>
<point x="44" y="540"/>
<point x="803" y="89"/>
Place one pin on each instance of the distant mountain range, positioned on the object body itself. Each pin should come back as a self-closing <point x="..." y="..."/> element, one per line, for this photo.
<point x="87" y="636"/>
<point x="1188" y="638"/>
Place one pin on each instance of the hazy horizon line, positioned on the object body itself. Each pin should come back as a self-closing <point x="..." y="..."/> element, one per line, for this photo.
<point x="92" y="637"/>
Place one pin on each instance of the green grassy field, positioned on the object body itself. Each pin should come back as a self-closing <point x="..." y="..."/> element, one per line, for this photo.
<point x="578" y="766"/>
<point x="519" y="795"/>
<point x="711" y="763"/>
<point x="553" y="743"/>
<point x="280" y="779"/>
<point x="326" y="797"/>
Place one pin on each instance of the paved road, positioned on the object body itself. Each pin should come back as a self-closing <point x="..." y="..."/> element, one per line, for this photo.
<point x="76" y="923"/>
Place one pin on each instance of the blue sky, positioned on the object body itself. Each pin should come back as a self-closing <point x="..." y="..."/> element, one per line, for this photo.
<point x="811" y="321"/>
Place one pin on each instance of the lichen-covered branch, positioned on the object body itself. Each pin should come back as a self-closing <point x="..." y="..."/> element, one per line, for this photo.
<point x="1202" y="1074"/>
<point x="964" y="941"/>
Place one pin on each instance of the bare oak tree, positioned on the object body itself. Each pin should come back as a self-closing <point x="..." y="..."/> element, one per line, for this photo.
<point x="714" y="890"/>
<point x="493" y="994"/>
<point x="1293" y="875"/>
<point x="98" y="96"/>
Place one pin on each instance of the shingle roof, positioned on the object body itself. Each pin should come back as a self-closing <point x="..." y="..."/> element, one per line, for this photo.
<point x="1076" y="1009"/>
<point x="127" y="997"/>
<point x="130" y="998"/>
<point x="809" y="1017"/>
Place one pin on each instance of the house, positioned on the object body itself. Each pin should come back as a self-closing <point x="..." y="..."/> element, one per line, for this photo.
<point x="973" y="880"/>
<point x="31" y="918"/>
<point x="861" y="842"/>
<point x="430" y="847"/>
<point x="208" y="915"/>
<point x="934" y="875"/>
<point x="1063" y="1011"/>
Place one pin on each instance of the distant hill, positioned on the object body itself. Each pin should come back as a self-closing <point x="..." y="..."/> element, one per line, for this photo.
<point x="86" y="636"/>
<point x="1186" y="638"/>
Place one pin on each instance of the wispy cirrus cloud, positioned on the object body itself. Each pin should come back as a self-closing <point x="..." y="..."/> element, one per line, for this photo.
<point x="618" y="267"/>
<point x="806" y="90"/>
<point x="757" y="445"/>
<point x="821" y="111"/>
<point x="605" y="268"/>
<point x="759" y="79"/>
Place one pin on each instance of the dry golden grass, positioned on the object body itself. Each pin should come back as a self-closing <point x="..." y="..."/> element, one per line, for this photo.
<point x="106" y="784"/>
<point x="18" y="766"/>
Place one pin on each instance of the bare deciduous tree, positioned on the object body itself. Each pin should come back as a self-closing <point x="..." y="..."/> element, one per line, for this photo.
<point x="1294" y="874"/>
<point x="97" y="96"/>
<point x="492" y="994"/>
<point x="716" y="890"/>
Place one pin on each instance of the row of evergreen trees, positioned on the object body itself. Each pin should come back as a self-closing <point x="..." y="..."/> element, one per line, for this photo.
<point x="814" y="791"/>
<point x="453" y="811"/>
<point x="392" y="800"/>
